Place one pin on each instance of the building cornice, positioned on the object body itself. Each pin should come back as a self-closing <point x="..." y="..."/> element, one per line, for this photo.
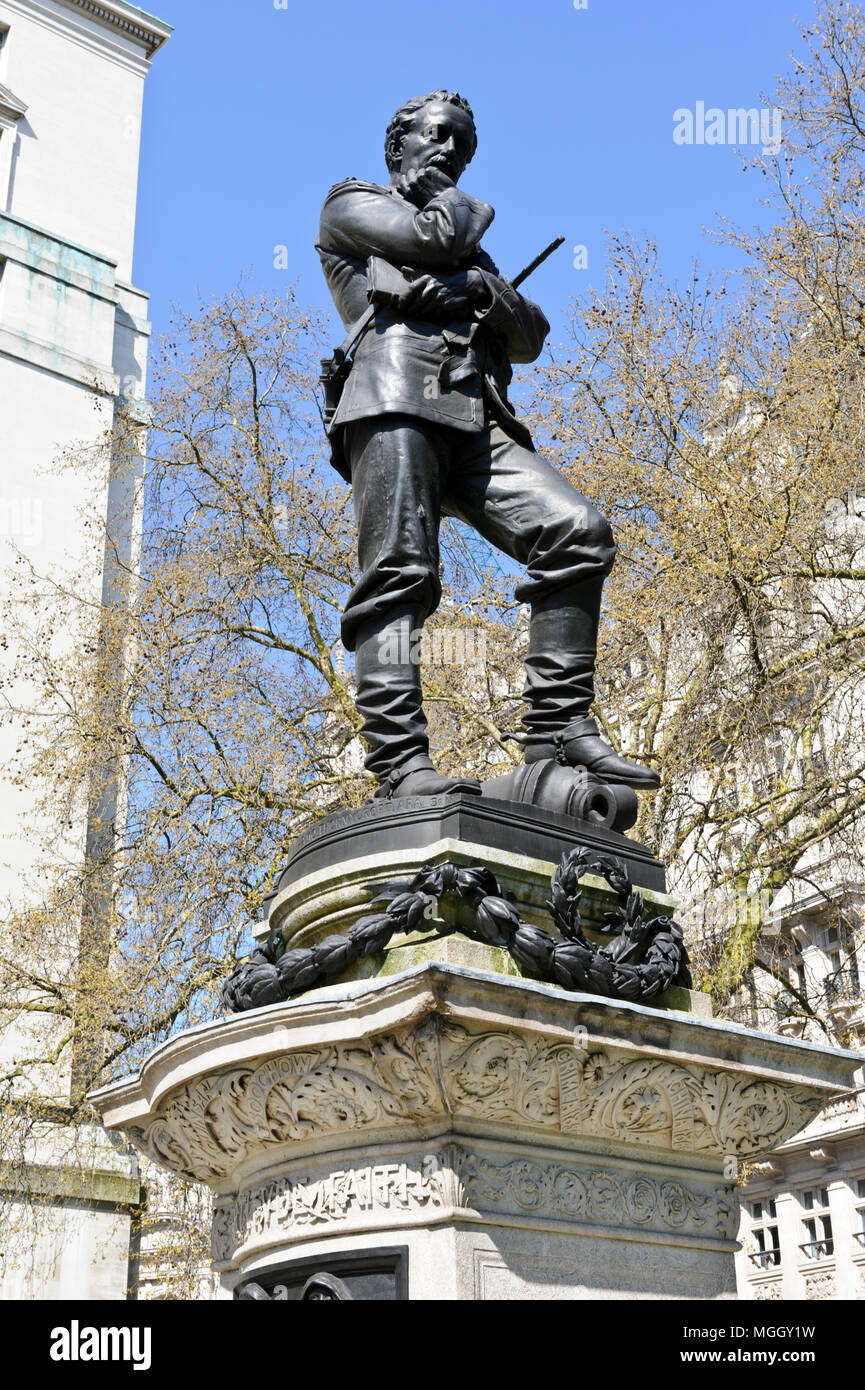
<point x="844" y="887"/>
<point x="133" y="23"/>
<point x="29" y="227"/>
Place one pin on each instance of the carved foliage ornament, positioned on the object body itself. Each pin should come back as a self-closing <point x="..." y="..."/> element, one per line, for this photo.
<point x="643" y="958"/>
<point x="769" y="1290"/>
<point x="458" y="1178"/>
<point x="594" y="1195"/>
<point x="438" y="1067"/>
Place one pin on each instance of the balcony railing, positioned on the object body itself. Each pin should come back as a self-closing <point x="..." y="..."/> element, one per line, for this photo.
<point x="844" y="987"/>
<point x="845" y="1105"/>
<point x="841" y="993"/>
<point x="818" y="1249"/>
<point x="765" y="1259"/>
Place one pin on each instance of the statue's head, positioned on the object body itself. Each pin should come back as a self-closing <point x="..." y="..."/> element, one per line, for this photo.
<point x="438" y="129"/>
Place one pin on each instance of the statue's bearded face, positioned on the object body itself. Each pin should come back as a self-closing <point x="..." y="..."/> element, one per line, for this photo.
<point x="440" y="136"/>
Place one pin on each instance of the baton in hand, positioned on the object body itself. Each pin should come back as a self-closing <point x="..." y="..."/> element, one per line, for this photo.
<point x="539" y="260"/>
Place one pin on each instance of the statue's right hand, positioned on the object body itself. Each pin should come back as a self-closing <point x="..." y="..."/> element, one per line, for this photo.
<point x="419" y="186"/>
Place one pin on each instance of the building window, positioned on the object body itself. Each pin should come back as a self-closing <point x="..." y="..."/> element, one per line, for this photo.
<point x="818" y="753"/>
<point x="726" y="799"/>
<point x="831" y="944"/>
<point x="764" y="1234"/>
<point x="750" y="986"/>
<point x="788" y="958"/>
<point x="842" y="980"/>
<point x="4" y="60"/>
<point x="816" y="1224"/>
<point x="769" y="770"/>
<point x="859" y="1205"/>
<point x="799" y="975"/>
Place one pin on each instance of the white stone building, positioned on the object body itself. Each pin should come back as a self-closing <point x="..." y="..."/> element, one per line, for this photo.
<point x="802" y="1227"/>
<point x="803" y="1209"/>
<point x="73" y="351"/>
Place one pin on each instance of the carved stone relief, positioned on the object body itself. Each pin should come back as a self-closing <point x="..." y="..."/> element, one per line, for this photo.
<point x="770" y="1291"/>
<point x="290" y="1206"/>
<point x="293" y="1205"/>
<point x="616" y="1199"/>
<point x="439" y="1067"/>
<point x="673" y="1106"/>
<point x="820" y="1286"/>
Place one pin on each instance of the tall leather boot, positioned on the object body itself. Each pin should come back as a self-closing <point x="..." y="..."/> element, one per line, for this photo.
<point x="560" y="667"/>
<point x="389" y="698"/>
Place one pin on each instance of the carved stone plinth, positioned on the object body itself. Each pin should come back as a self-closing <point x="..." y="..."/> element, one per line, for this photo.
<point x="446" y="1133"/>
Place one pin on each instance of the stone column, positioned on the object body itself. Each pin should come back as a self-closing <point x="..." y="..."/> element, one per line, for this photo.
<point x="789" y="1227"/>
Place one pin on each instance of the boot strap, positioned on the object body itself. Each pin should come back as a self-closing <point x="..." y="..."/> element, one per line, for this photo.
<point x="578" y="728"/>
<point x="389" y="784"/>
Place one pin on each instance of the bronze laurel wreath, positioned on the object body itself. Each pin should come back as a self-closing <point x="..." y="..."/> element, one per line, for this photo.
<point x="642" y="960"/>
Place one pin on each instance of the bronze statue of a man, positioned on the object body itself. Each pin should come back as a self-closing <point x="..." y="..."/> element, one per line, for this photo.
<point x="424" y="428"/>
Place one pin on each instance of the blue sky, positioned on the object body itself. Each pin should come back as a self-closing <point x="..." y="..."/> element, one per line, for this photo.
<point x="253" y="111"/>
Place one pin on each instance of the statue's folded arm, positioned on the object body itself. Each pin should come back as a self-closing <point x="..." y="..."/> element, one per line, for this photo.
<point x="360" y="219"/>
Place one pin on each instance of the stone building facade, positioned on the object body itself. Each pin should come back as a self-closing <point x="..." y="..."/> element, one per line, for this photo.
<point x="803" y="1208"/>
<point x="73" y="353"/>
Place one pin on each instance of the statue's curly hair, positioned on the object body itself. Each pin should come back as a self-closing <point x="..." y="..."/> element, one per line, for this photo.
<point x="396" y="131"/>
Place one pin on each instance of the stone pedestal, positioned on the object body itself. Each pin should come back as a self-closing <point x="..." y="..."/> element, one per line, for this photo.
<point x="329" y="880"/>
<point x="449" y="1133"/>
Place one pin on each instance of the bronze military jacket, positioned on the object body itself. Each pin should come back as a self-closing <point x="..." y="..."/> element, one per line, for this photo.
<point x="455" y="374"/>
